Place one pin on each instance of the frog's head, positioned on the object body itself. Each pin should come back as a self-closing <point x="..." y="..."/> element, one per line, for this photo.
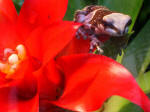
<point x="116" y="24"/>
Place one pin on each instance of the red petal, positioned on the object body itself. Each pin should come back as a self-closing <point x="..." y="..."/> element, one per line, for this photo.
<point x="7" y="11"/>
<point x="76" y="46"/>
<point x="40" y="12"/>
<point x="18" y="93"/>
<point x="23" y="79"/>
<point x="56" y="38"/>
<point x="8" y="37"/>
<point x="91" y="79"/>
<point x="51" y="41"/>
<point x="33" y="43"/>
<point x="50" y="82"/>
<point x="8" y="18"/>
<point x="10" y="103"/>
<point x="37" y="12"/>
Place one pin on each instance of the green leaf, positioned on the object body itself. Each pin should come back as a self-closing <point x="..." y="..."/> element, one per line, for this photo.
<point x="73" y="5"/>
<point x="18" y="4"/>
<point x="143" y="17"/>
<point x="144" y="82"/>
<point x="120" y="57"/>
<point x="119" y="104"/>
<point x="90" y="2"/>
<point x="137" y="55"/>
<point x="76" y="5"/>
<point x="130" y="7"/>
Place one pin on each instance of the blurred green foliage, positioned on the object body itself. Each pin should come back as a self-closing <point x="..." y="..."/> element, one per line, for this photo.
<point x="76" y="5"/>
<point x="18" y="4"/>
<point x="136" y="56"/>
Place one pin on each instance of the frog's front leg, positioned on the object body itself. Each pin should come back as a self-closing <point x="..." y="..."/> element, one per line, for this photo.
<point x="84" y="31"/>
<point x="95" y="43"/>
<point x="88" y="31"/>
<point x="81" y="33"/>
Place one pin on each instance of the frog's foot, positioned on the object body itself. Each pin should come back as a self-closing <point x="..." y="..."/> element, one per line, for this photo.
<point x="81" y="33"/>
<point x="95" y="44"/>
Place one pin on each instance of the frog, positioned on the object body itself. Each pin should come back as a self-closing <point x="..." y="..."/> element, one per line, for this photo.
<point x="99" y="21"/>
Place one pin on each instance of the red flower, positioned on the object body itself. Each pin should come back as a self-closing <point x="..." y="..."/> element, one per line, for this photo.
<point x="91" y="79"/>
<point x="31" y="47"/>
<point x="24" y="44"/>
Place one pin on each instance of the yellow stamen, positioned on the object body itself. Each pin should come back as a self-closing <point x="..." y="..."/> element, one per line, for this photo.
<point x="13" y="59"/>
<point x="21" y="52"/>
<point x="12" y="62"/>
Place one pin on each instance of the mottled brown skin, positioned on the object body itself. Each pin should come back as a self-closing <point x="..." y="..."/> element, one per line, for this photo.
<point x="100" y="21"/>
<point x="97" y="19"/>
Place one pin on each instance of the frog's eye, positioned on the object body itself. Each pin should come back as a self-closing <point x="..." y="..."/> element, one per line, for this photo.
<point x="116" y="24"/>
<point x="129" y="22"/>
<point x="127" y="26"/>
<point x="107" y="24"/>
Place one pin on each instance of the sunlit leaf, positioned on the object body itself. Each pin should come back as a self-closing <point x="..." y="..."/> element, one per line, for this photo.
<point x="144" y="82"/>
<point x="119" y="104"/>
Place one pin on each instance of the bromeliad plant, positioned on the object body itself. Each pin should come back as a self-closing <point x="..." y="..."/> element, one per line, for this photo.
<point x="41" y="64"/>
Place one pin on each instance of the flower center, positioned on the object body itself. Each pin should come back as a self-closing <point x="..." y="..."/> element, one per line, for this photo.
<point x="11" y="59"/>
